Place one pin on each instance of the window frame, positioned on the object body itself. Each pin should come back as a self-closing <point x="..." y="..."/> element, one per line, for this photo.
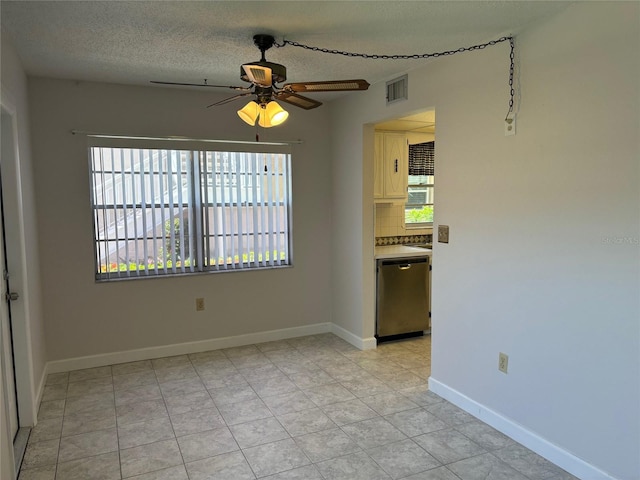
<point x="198" y="208"/>
<point x="416" y="225"/>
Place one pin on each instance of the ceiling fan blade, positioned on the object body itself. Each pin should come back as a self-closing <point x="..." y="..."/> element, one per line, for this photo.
<point x="230" y="99"/>
<point x="201" y="85"/>
<point x="328" y="86"/>
<point x="258" y="74"/>
<point x="297" y="100"/>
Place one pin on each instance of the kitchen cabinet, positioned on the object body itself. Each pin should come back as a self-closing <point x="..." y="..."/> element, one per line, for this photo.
<point x="391" y="164"/>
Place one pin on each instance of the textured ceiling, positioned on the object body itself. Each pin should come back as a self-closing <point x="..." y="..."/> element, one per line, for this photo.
<point x="132" y="42"/>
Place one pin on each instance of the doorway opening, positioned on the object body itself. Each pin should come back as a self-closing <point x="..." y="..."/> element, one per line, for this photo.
<point x="403" y="194"/>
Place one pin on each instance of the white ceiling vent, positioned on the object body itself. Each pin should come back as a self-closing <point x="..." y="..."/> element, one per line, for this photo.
<point x="398" y="89"/>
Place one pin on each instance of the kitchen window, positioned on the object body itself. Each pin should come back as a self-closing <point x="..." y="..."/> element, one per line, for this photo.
<point x="419" y="205"/>
<point x="173" y="210"/>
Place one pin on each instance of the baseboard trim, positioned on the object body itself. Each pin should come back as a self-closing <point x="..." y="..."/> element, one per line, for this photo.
<point x="361" y="343"/>
<point x="113" y="358"/>
<point x="520" y="434"/>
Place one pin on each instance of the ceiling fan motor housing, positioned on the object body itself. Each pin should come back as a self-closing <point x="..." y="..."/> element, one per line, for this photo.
<point x="264" y="42"/>
<point x="278" y="72"/>
<point x="264" y="75"/>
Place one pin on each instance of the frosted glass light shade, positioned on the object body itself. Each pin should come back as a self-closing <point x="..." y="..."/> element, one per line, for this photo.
<point x="271" y="115"/>
<point x="263" y="120"/>
<point x="249" y="113"/>
<point x="275" y="113"/>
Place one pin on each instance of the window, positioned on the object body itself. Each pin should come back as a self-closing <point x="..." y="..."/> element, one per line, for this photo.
<point x="419" y="206"/>
<point x="161" y="211"/>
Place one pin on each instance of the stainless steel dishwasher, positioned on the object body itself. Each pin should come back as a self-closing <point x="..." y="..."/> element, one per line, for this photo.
<point x="402" y="296"/>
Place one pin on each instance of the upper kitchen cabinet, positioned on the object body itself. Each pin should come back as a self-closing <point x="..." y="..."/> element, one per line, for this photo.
<point x="390" y="167"/>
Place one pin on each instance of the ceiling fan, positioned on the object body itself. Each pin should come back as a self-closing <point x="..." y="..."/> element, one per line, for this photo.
<point x="264" y="77"/>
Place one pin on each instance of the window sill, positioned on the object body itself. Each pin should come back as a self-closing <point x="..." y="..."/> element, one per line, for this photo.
<point x="418" y="226"/>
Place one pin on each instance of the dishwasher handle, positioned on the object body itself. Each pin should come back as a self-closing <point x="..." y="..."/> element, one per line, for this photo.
<point x="404" y="263"/>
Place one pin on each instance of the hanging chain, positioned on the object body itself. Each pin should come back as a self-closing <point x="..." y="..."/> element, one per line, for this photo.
<point x="511" y="70"/>
<point x="423" y="55"/>
<point x="395" y="57"/>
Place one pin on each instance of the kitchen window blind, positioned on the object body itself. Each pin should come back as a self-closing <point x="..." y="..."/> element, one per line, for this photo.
<point x="163" y="211"/>
<point x="421" y="158"/>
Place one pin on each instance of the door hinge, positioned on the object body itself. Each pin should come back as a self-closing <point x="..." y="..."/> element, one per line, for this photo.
<point x="11" y="296"/>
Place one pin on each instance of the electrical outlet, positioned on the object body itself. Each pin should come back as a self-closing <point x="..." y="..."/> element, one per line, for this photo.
<point x="503" y="362"/>
<point x="443" y="233"/>
<point x="199" y="304"/>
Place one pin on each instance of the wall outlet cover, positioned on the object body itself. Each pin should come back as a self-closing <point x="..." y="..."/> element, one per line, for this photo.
<point x="443" y="233"/>
<point x="199" y="304"/>
<point x="503" y="362"/>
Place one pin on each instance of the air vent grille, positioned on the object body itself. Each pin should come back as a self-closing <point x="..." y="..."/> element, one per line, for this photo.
<point x="398" y="89"/>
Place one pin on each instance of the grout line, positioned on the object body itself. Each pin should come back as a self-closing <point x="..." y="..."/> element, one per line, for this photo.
<point x="385" y="355"/>
<point x="164" y="401"/>
<point x="64" y="414"/>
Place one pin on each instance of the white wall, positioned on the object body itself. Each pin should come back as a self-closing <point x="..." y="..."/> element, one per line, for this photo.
<point x="544" y="260"/>
<point x="84" y="318"/>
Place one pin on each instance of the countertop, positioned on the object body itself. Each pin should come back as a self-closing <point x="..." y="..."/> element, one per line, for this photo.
<point x="400" y="251"/>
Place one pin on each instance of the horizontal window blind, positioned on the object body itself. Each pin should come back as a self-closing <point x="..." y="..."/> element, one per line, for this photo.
<point x="161" y="211"/>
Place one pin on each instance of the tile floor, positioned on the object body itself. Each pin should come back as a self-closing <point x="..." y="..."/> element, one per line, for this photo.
<point x="307" y="408"/>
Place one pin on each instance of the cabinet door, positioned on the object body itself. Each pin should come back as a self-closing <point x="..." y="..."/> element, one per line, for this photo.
<point x="378" y="166"/>
<point x="396" y="165"/>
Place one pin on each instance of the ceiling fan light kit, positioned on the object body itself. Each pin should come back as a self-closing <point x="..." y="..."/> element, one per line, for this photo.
<point x="268" y="115"/>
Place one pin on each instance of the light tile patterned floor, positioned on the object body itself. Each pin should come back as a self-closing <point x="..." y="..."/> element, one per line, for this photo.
<point x="306" y="408"/>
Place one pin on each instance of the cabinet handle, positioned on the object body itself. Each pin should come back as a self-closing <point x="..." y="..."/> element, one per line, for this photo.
<point x="396" y="165"/>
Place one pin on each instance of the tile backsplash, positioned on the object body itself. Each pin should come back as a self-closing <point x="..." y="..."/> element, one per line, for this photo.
<point x="403" y="240"/>
<point x="390" y="224"/>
